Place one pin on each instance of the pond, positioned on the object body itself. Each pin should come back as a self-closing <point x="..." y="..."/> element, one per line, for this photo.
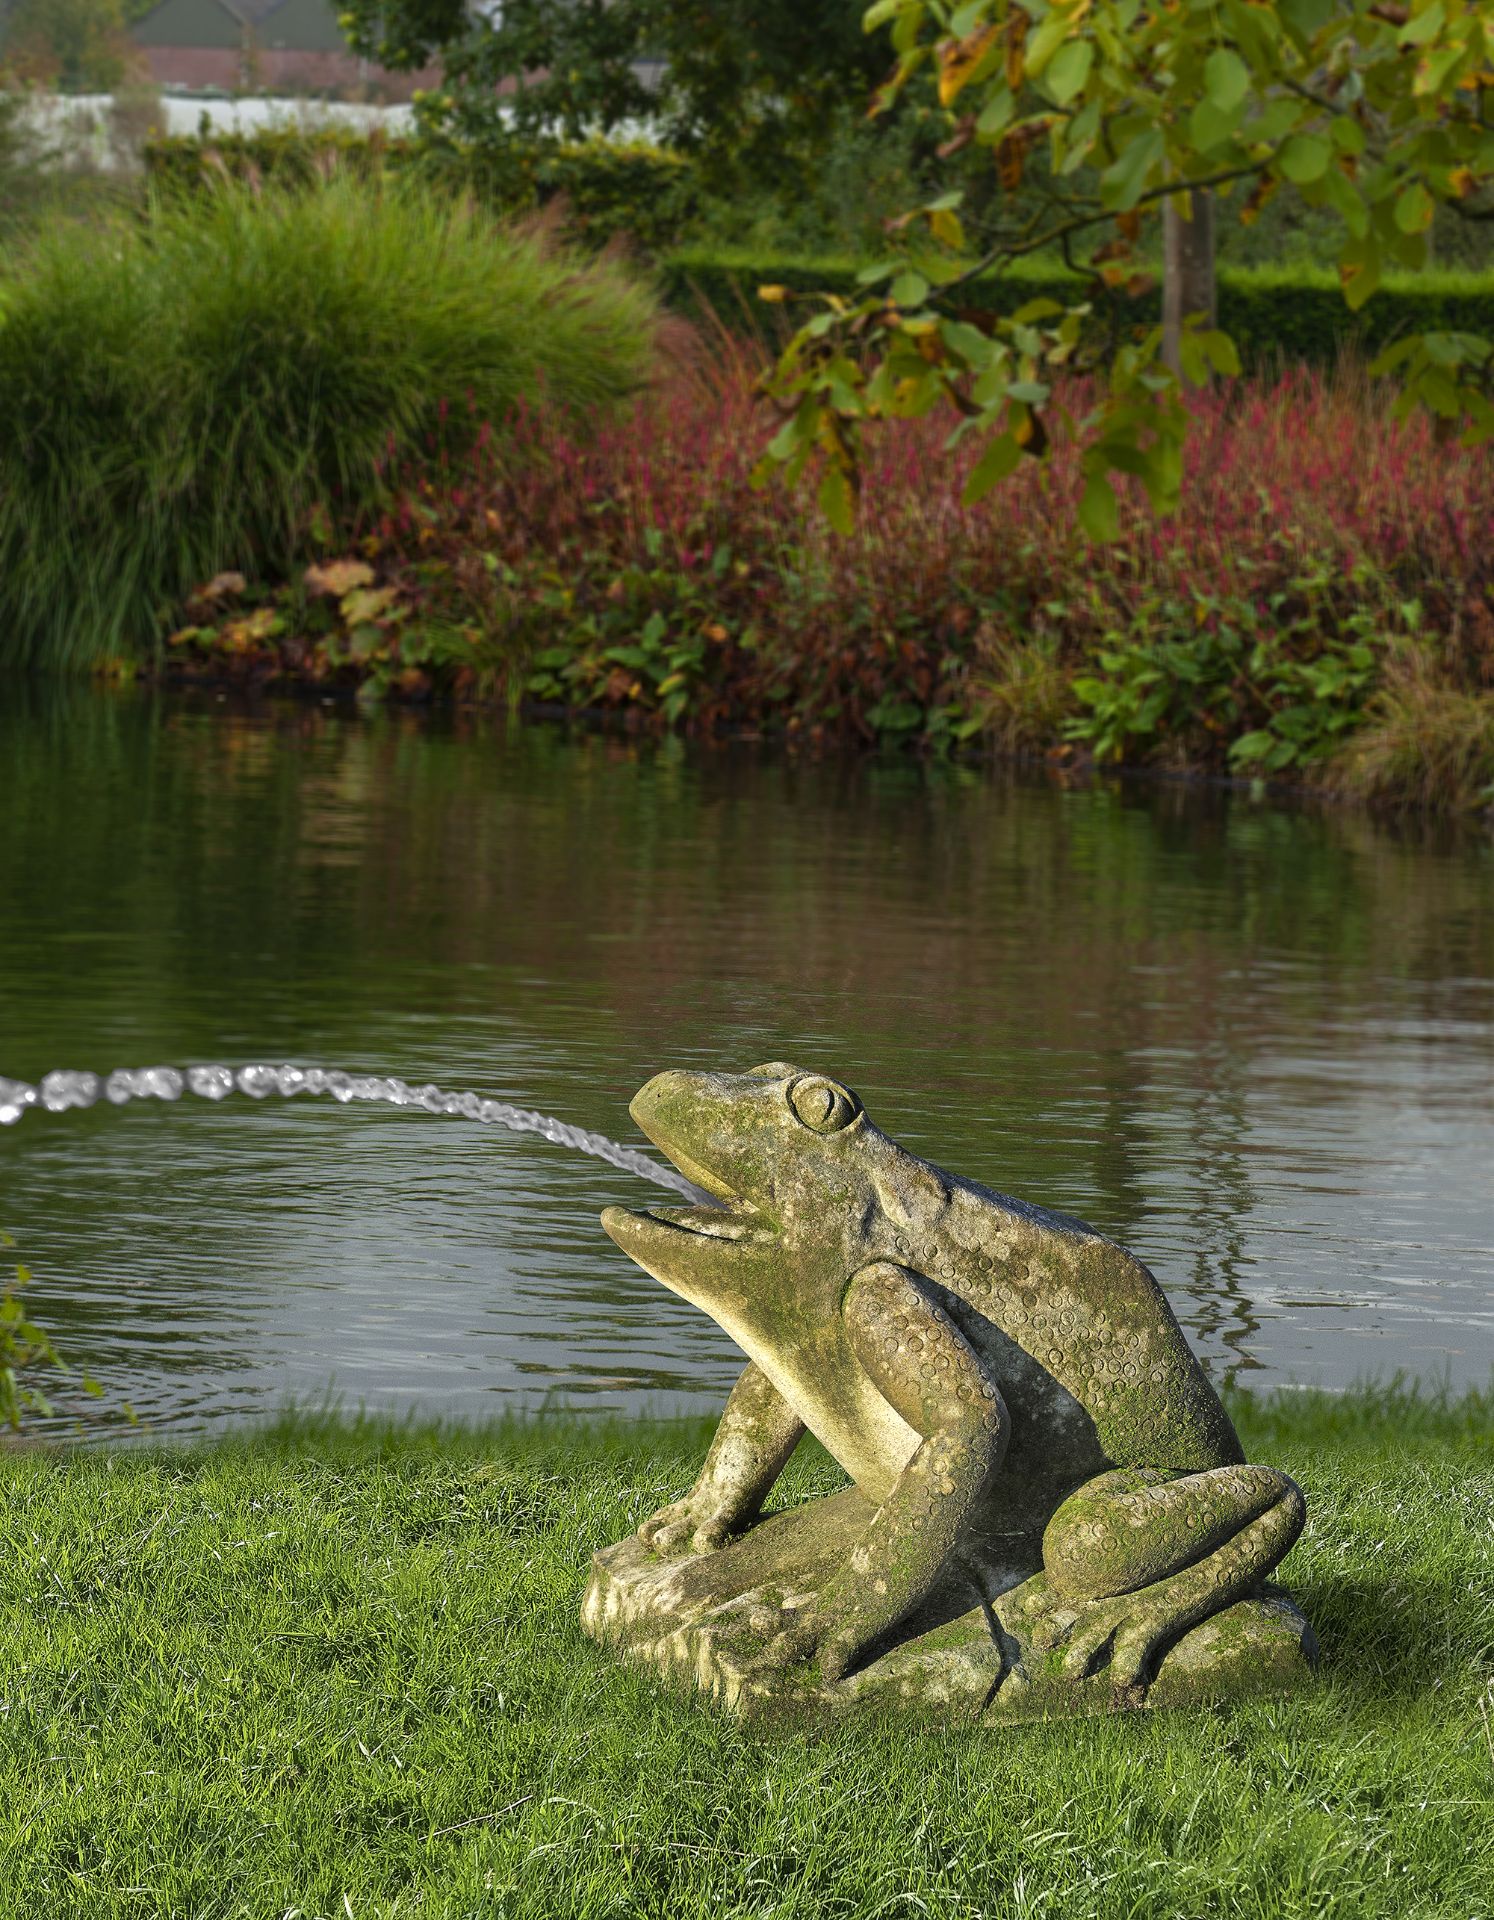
<point x="1252" y="1041"/>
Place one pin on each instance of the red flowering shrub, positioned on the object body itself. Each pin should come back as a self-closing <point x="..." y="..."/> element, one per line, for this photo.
<point x="641" y="570"/>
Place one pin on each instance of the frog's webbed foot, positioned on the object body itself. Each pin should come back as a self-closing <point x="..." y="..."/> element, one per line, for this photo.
<point x="690" y="1525"/>
<point x="1119" y="1636"/>
<point x="1082" y="1633"/>
<point x="1035" y="1616"/>
<point x="808" y="1638"/>
<point x="758" y="1432"/>
<point x="1138" y="1556"/>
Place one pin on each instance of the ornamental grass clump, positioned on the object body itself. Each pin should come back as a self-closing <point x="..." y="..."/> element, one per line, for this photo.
<point x="196" y="389"/>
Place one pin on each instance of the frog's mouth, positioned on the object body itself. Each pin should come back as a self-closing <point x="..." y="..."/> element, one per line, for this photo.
<point x="685" y="1246"/>
<point x="667" y="1240"/>
<point x="732" y="1222"/>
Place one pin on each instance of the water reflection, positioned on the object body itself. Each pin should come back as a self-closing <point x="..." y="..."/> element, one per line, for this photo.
<point x="1253" y="1043"/>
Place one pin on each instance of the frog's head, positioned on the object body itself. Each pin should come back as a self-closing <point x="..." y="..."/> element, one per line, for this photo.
<point x="804" y="1178"/>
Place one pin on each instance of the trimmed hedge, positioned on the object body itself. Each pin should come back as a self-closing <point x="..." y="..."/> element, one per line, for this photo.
<point x="1290" y="313"/>
<point x="643" y="192"/>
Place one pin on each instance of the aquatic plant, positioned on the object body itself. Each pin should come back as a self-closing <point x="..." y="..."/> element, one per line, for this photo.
<point x="202" y="387"/>
<point x="27" y="1348"/>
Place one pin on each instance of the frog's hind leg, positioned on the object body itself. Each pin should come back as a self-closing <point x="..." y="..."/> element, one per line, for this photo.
<point x="1137" y="1556"/>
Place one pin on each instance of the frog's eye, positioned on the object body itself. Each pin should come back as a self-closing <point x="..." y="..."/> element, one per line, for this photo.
<point x="822" y="1105"/>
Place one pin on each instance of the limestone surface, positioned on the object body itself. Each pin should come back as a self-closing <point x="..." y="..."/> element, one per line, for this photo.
<point x="1050" y="1510"/>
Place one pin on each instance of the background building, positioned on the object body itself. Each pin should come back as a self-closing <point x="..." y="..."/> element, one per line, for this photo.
<point x="270" y="46"/>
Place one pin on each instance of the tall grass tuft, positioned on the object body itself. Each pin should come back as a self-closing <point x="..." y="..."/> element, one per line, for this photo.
<point x="178" y="394"/>
<point x="1425" y="745"/>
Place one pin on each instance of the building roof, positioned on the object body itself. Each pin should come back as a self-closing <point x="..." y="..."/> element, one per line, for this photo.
<point x="294" y="24"/>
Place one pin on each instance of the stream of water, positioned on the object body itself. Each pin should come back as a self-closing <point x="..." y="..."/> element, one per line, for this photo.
<point x="1253" y="1042"/>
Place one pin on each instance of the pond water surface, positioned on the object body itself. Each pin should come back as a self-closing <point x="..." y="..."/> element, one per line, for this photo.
<point x="1256" y="1043"/>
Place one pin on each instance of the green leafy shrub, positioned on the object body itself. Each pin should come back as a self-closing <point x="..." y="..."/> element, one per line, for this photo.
<point x="607" y="188"/>
<point x="178" y="395"/>
<point x="1250" y="683"/>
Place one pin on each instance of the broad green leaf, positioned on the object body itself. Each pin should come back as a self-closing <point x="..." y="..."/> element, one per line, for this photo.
<point x="1123" y="184"/>
<point x="835" y="499"/>
<point x="996" y="115"/>
<point x="1000" y="458"/>
<point x="907" y="24"/>
<point x="1257" y="30"/>
<point x="1359" y="268"/>
<point x="1345" y="197"/>
<point x="1226" y="79"/>
<point x="1277" y="118"/>
<point x="786" y="439"/>
<point x="909" y="290"/>
<point x="1307" y="16"/>
<point x="1211" y="126"/>
<point x="1068" y="70"/>
<point x="973" y="346"/>
<point x="1099" y="511"/>
<point x="1035" y="310"/>
<point x="1440" y="393"/>
<point x="1305" y="158"/>
<point x="1414" y="209"/>
<point x="1191" y="358"/>
<point x="1424" y="26"/>
<point x="1222" y="352"/>
<point x="1045" y="42"/>
<point x="1434" y="72"/>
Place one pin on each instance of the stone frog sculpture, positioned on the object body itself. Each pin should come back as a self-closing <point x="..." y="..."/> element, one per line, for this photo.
<point x="1032" y="1442"/>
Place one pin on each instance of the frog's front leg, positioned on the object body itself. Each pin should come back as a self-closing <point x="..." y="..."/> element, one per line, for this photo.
<point x="1139" y="1555"/>
<point x="757" y="1433"/>
<point x="924" y="1367"/>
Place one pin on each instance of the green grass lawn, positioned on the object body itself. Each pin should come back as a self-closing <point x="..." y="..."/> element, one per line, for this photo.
<point x="334" y="1669"/>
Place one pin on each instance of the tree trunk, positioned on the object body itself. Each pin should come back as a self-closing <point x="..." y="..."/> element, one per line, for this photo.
<point x="1188" y="268"/>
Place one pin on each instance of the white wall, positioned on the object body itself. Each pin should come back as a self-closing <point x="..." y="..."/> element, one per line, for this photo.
<point x="77" y="126"/>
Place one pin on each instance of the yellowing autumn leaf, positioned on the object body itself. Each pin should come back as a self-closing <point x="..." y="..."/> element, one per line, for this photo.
<point x="945" y="225"/>
<point x="958" y="60"/>
<point x="366" y="604"/>
<point x="338" y="577"/>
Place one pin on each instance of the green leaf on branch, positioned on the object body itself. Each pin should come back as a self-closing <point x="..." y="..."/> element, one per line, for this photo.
<point x="1122" y="185"/>
<point x="1223" y="356"/>
<point x="1068" y="71"/>
<point x="1043" y="45"/>
<point x="1099" y="510"/>
<point x="1414" y="209"/>
<point x="1210" y="125"/>
<point x="1424" y="26"/>
<point x="1305" y="158"/>
<point x="837" y="501"/>
<point x="1000" y="459"/>
<point x="1226" y="79"/>
<point x="1309" y="17"/>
